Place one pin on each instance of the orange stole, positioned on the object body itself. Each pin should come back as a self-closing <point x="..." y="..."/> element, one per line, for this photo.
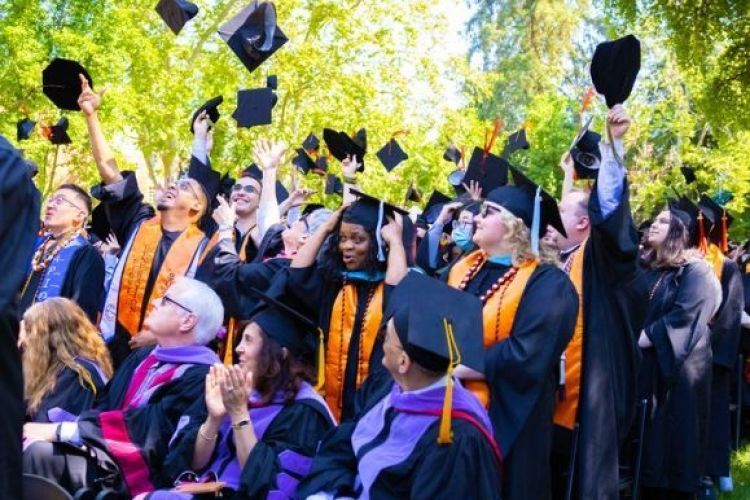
<point x="340" y="333"/>
<point x="497" y="317"/>
<point x="138" y="266"/>
<point x="566" y="410"/>
<point x="715" y="258"/>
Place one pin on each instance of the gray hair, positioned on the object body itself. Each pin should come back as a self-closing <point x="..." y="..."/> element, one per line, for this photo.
<point x="317" y="218"/>
<point x="203" y="302"/>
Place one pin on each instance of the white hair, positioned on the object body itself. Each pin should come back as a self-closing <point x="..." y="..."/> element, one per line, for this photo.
<point x="203" y="302"/>
<point x="317" y="218"/>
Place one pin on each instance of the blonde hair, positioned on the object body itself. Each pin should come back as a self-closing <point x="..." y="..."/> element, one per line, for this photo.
<point x="56" y="332"/>
<point x="517" y="238"/>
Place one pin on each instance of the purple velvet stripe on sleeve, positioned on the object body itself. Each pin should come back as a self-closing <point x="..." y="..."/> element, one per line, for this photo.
<point x="294" y="462"/>
<point x="57" y="415"/>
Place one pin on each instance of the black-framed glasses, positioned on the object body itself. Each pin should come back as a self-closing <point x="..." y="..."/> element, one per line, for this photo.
<point x="186" y="185"/>
<point x="465" y="225"/>
<point x="166" y="299"/>
<point x="487" y="209"/>
<point x="246" y="188"/>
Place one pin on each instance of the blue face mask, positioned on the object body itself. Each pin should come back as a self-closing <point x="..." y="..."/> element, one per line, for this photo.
<point x="505" y="260"/>
<point x="462" y="239"/>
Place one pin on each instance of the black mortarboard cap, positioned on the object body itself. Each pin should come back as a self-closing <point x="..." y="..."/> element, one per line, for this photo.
<point x="391" y="155"/>
<point x="334" y="185"/>
<point x="100" y="222"/>
<point x="413" y="194"/>
<point x="254" y="107"/>
<point x="365" y="210"/>
<point x="212" y="109"/>
<point x="60" y="82"/>
<point x="434" y="205"/>
<point x="256" y="173"/>
<point x="272" y="82"/>
<point x="615" y="67"/>
<point x="519" y="200"/>
<point x="516" y="141"/>
<point x="452" y="154"/>
<point x="311" y="143"/>
<point x="419" y="306"/>
<point x="303" y="161"/>
<point x="311" y="207"/>
<point x="682" y="212"/>
<point x="715" y="212"/>
<point x="491" y="171"/>
<point x="688" y="173"/>
<point x="284" y="324"/>
<point x="24" y="128"/>
<point x="321" y="165"/>
<point x="340" y="144"/>
<point x="253" y="34"/>
<point x="586" y="155"/>
<point x="176" y="13"/>
<point x="59" y="132"/>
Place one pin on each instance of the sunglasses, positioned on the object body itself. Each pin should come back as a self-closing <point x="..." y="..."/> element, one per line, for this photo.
<point x="167" y="300"/>
<point x="246" y="188"/>
<point x="487" y="209"/>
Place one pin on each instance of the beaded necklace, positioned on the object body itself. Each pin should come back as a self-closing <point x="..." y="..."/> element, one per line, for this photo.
<point x="39" y="262"/>
<point x="501" y="281"/>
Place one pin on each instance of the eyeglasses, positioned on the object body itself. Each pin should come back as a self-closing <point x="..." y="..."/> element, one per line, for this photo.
<point x="246" y="188"/>
<point x="165" y="300"/>
<point x="186" y="185"/>
<point x="58" y="199"/>
<point x="465" y="225"/>
<point x="487" y="209"/>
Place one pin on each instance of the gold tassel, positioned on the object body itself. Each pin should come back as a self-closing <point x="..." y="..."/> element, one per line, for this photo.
<point x="445" y="435"/>
<point x="321" y="362"/>
<point x="229" y="342"/>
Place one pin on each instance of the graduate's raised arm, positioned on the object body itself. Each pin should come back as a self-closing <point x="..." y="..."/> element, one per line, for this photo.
<point x="89" y="101"/>
<point x="306" y="255"/>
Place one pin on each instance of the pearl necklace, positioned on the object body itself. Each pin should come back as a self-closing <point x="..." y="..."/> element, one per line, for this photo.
<point x="502" y="280"/>
<point x="40" y="264"/>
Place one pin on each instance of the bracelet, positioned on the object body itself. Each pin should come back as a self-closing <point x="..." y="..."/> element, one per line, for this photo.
<point x="204" y="436"/>
<point x="240" y="424"/>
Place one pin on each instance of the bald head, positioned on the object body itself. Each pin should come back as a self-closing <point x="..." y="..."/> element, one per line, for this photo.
<point x="574" y="213"/>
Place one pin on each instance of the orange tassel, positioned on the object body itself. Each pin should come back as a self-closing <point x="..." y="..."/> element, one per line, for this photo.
<point x="445" y="434"/>
<point x="702" y="242"/>
<point x="588" y="96"/>
<point x="724" y="232"/>
<point x="490" y="141"/>
<point x="321" y="362"/>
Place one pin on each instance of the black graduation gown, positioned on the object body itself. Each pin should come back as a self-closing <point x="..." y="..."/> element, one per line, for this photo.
<point x="614" y="294"/>
<point x="83" y="283"/>
<point x="19" y="224"/>
<point x="207" y="269"/>
<point x="231" y="279"/>
<point x="69" y="394"/>
<point x="299" y="427"/>
<point x="467" y="468"/>
<point x="675" y="376"/>
<point x="725" y="346"/>
<point x="317" y="294"/>
<point x="522" y="373"/>
<point x="126" y="209"/>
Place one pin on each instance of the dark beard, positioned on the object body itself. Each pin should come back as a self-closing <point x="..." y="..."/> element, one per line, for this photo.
<point x="161" y="208"/>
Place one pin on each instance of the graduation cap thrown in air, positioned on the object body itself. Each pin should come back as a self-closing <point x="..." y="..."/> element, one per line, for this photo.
<point x="61" y="83"/>
<point x="253" y="34"/>
<point x="311" y="143"/>
<point x="334" y="185"/>
<point x="688" y="173"/>
<point x="452" y="154"/>
<point x="24" y="128"/>
<point x="321" y="165"/>
<point x="256" y="173"/>
<point x="391" y="155"/>
<point x="490" y="171"/>
<point x="341" y="145"/>
<point x="272" y="82"/>
<point x="525" y="199"/>
<point x="212" y="110"/>
<point x="615" y="67"/>
<point x="413" y="194"/>
<point x="303" y="161"/>
<point x="58" y="133"/>
<point x="516" y="141"/>
<point x="176" y="13"/>
<point x="254" y="107"/>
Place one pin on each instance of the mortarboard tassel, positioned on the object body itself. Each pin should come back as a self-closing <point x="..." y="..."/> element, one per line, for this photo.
<point x="321" y="362"/>
<point x="724" y="232"/>
<point x="445" y="435"/>
<point x="229" y="342"/>
<point x="378" y="236"/>
<point x="702" y="242"/>
<point x="489" y="142"/>
<point x="536" y="221"/>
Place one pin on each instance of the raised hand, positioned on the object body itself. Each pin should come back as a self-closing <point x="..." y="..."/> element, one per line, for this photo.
<point x="446" y="213"/>
<point x="200" y="125"/>
<point x="392" y="232"/>
<point x="224" y="214"/>
<point x="268" y="155"/>
<point x="474" y="189"/>
<point x="214" y="401"/>
<point x="618" y="121"/>
<point x="236" y="386"/>
<point x="566" y="163"/>
<point x="89" y="101"/>
<point x="349" y="166"/>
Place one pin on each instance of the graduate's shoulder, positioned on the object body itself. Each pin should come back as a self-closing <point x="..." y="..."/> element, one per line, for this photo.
<point x="549" y="275"/>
